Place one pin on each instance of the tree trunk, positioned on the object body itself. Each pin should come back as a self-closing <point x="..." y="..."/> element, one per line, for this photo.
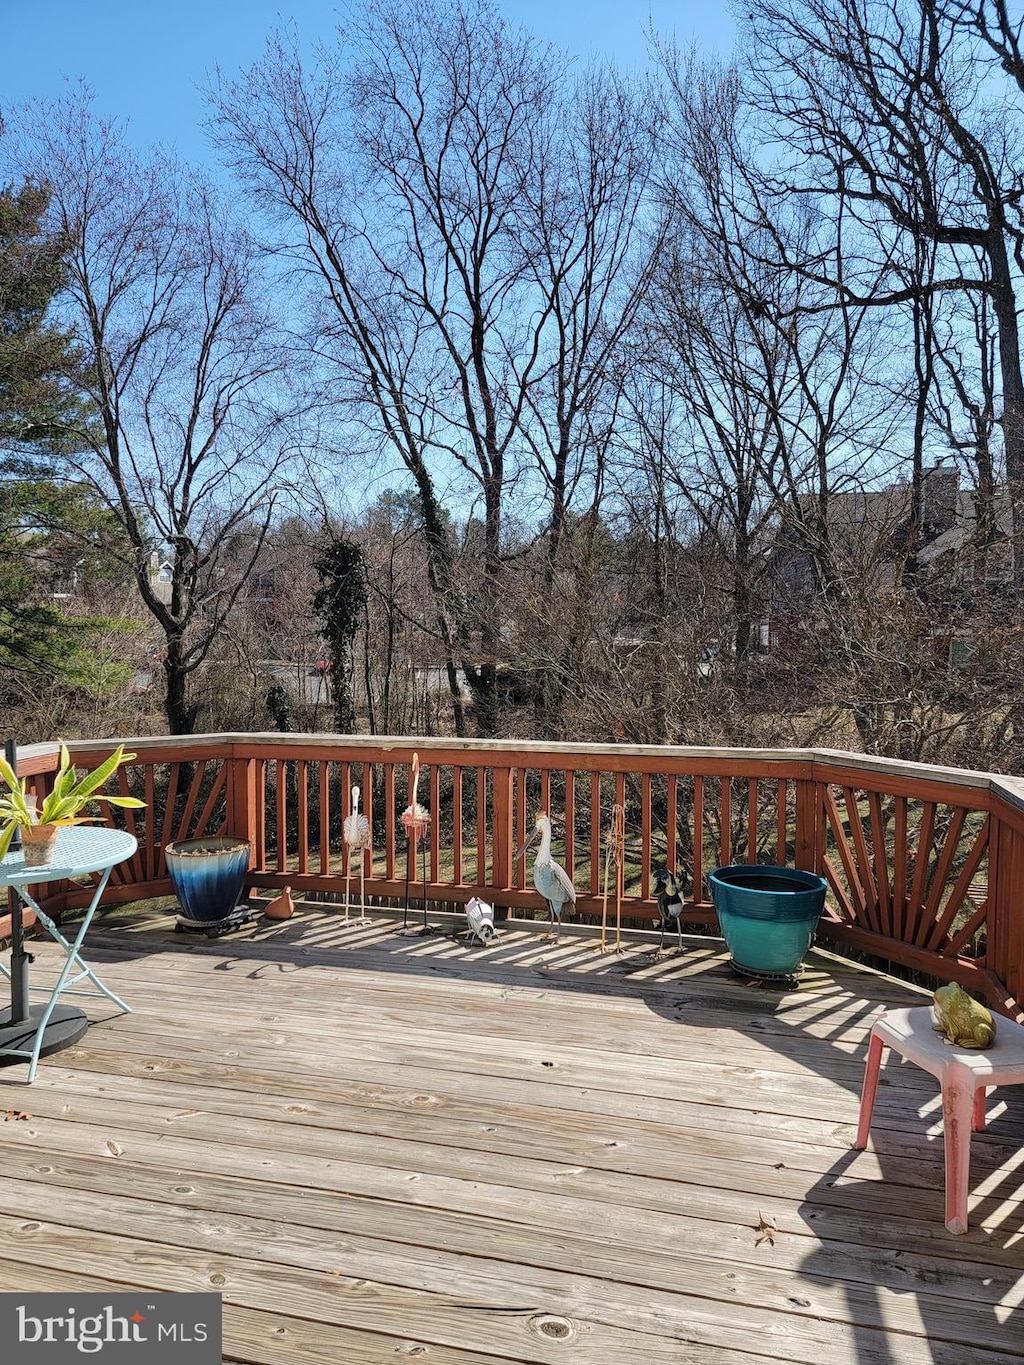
<point x="181" y="716"/>
<point x="1004" y="305"/>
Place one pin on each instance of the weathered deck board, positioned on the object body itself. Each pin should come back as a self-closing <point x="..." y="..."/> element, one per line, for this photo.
<point x="377" y="1147"/>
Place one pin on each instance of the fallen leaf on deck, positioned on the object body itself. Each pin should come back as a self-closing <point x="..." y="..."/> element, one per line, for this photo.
<point x="16" y="1114"/>
<point x="767" y="1227"/>
<point x="114" y="1148"/>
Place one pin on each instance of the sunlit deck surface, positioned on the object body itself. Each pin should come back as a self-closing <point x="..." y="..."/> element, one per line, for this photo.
<point x="379" y="1147"/>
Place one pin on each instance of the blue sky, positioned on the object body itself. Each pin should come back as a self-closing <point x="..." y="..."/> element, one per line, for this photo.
<point x="146" y="60"/>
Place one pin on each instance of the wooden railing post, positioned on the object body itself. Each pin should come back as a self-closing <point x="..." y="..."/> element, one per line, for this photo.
<point x="1004" y="951"/>
<point x="807" y="843"/>
<point x="241" y="802"/>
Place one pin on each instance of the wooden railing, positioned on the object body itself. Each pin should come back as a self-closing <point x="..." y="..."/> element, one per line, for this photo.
<point x="925" y="865"/>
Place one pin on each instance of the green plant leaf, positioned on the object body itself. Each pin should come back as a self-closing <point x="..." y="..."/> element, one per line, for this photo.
<point x="8" y="775"/>
<point x="94" y="780"/>
<point x="54" y="811"/>
<point x="5" y="840"/>
<point x="127" y="802"/>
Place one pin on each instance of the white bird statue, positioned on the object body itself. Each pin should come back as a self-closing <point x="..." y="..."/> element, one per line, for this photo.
<point x="415" y="822"/>
<point x="551" y="880"/>
<point x="356" y="835"/>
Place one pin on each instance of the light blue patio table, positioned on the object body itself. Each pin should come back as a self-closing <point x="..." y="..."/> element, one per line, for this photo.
<point x="28" y="1032"/>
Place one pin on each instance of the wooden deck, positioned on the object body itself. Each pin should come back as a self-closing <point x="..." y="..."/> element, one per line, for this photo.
<point x="378" y="1148"/>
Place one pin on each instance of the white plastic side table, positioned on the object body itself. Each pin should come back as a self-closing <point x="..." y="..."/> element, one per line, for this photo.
<point x="28" y="1032"/>
<point x="964" y="1075"/>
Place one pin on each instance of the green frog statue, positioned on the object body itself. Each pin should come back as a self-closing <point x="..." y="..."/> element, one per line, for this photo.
<point x="964" y="1022"/>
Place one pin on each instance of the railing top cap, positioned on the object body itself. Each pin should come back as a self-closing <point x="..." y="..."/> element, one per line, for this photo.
<point x="1012" y="787"/>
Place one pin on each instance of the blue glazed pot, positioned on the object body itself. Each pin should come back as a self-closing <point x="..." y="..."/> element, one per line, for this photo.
<point x="207" y="876"/>
<point x="768" y="914"/>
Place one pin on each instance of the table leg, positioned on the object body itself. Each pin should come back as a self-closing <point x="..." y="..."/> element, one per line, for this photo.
<point x="42" y="1029"/>
<point x="72" y="949"/>
<point x="28" y="1032"/>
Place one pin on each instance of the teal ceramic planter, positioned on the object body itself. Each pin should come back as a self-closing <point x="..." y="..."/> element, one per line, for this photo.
<point x="768" y="915"/>
<point x="208" y="876"/>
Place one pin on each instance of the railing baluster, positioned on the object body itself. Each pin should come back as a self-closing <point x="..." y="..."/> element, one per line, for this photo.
<point x="282" y="816"/>
<point x="752" y="819"/>
<point x="725" y="816"/>
<point x="522" y="823"/>
<point x="863" y="860"/>
<point x="167" y="822"/>
<point x="645" y="837"/>
<point x="671" y="818"/>
<point x="899" y="866"/>
<point x="435" y="822"/>
<point x="149" y="816"/>
<point x="481" y="826"/>
<point x="880" y="862"/>
<point x="950" y="845"/>
<point x="502" y="832"/>
<point x="595" y="833"/>
<point x="325" y="818"/>
<point x="190" y="804"/>
<point x="698" y="840"/>
<point x="368" y="788"/>
<point x="958" y="894"/>
<point x="302" y="813"/>
<point x="781" y="823"/>
<point x="922" y="857"/>
<point x="389" y="819"/>
<point x="261" y="813"/>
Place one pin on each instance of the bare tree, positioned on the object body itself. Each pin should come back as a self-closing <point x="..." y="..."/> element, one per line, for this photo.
<point x="886" y="106"/>
<point x="165" y="300"/>
<point x="466" y="230"/>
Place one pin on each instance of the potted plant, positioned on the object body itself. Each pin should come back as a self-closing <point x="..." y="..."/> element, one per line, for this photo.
<point x="71" y="794"/>
<point x="768" y="915"/>
<point x="207" y="876"/>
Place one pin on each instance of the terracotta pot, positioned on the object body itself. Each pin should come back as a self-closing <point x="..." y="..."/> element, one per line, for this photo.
<point x="39" y="843"/>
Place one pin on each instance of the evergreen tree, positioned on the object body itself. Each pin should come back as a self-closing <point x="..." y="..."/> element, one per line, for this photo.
<point x="39" y="399"/>
<point x="341" y="603"/>
<point x="39" y="402"/>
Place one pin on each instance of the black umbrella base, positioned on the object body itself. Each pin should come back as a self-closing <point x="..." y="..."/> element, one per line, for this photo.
<point x="64" y="1028"/>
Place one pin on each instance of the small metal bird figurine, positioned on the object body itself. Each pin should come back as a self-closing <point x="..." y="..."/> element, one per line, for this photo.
<point x="416" y="822"/>
<point x="670" y="905"/>
<point x="551" y="880"/>
<point x="355" y="833"/>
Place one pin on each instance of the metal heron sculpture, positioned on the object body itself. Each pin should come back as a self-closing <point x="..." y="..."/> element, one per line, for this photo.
<point x="550" y="879"/>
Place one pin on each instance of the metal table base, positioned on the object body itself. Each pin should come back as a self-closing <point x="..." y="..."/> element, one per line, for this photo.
<point x="28" y="1032"/>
